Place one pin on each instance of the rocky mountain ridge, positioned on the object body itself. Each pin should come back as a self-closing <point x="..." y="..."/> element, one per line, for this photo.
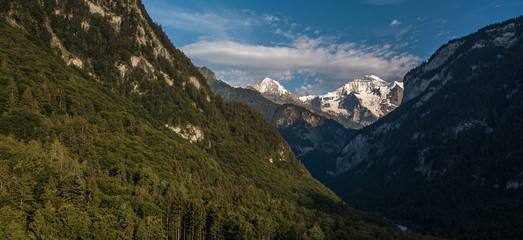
<point x="451" y="151"/>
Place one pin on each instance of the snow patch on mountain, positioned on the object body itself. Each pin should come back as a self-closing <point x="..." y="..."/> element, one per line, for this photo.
<point x="307" y="98"/>
<point x="396" y="83"/>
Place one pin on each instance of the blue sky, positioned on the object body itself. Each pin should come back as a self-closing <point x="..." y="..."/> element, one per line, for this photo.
<point x="312" y="47"/>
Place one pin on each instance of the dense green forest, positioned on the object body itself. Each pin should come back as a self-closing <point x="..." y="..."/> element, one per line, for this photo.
<point x="96" y="145"/>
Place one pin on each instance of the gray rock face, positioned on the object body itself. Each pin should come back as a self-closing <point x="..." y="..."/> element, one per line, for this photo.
<point x="428" y="78"/>
<point x="456" y="135"/>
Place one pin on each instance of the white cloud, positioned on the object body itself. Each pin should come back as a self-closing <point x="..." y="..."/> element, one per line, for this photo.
<point x="305" y="57"/>
<point x="287" y="34"/>
<point x="237" y="74"/>
<point x="403" y="31"/>
<point x="207" y="23"/>
<point x="441" y="33"/>
<point x="307" y="64"/>
<point x="307" y="89"/>
<point x="395" y="22"/>
<point x="294" y="25"/>
<point x="271" y="18"/>
<point x="441" y="21"/>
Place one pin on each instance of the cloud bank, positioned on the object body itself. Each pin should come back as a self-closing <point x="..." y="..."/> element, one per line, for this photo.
<point x="312" y="59"/>
<point x="287" y="53"/>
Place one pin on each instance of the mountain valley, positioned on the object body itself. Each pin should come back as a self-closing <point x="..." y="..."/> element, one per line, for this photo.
<point x="107" y="131"/>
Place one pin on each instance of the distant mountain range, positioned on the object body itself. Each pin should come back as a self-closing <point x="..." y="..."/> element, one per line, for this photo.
<point x="363" y="100"/>
<point x="449" y="160"/>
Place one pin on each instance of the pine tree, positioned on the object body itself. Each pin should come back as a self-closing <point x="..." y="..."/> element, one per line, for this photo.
<point x="72" y="190"/>
<point x="315" y="233"/>
<point x="23" y="189"/>
<point x="12" y="92"/>
<point x="28" y="100"/>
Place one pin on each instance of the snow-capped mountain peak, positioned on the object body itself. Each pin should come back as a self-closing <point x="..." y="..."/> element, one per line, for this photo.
<point x="362" y="100"/>
<point x="307" y="98"/>
<point x="274" y="91"/>
<point x="271" y="87"/>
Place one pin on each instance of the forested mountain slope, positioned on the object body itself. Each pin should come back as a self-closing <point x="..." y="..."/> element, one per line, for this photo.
<point x="108" y="131"/>
<point x="449" y="160"/>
